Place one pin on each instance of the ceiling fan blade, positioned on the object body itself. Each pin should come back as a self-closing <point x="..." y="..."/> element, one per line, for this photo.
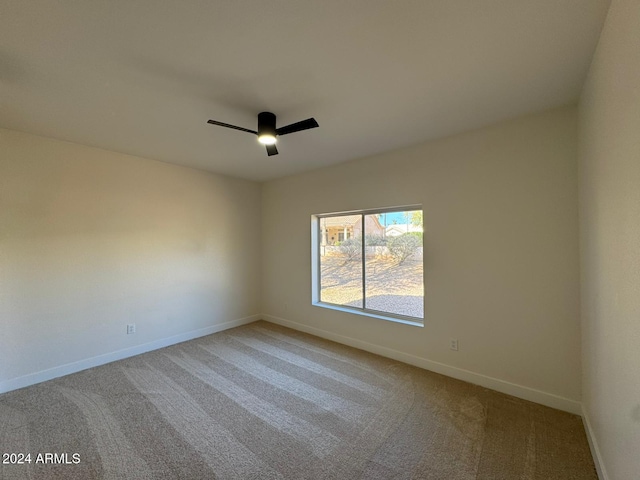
<point x="271" y="150"/>
<point x="213" y="122"/>
<point x="298" y="126"/>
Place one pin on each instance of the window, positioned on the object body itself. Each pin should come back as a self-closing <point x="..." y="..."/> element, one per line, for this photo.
<point x="382" y="276"/>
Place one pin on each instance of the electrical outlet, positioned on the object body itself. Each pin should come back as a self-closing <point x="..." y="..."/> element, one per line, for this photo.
<point x="131" y="328"/>
<point x="453" y="344"/>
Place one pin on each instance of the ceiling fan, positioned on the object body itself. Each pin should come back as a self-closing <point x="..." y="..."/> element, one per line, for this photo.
<point x="267" y="131"/>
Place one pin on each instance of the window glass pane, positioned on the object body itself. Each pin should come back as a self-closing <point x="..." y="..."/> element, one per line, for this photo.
<point x="341" y="260"/>
<point x="393" y="263"/>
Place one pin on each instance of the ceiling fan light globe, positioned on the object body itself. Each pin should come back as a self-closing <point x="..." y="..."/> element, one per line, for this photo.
<point x="267" y="139"/>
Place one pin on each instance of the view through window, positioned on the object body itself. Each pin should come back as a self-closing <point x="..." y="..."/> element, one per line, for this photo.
<point x="372" y="261"/>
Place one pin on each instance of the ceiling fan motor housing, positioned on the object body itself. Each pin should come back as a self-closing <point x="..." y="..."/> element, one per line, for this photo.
<point x="266" y="124"/>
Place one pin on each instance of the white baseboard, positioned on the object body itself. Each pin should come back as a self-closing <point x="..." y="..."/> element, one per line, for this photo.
<point x="531" y="394"/>
<point x="59" y="371"/>
<point x="593" y="445"/>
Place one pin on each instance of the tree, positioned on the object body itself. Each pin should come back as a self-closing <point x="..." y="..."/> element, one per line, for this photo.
<point x="416" y="218"/>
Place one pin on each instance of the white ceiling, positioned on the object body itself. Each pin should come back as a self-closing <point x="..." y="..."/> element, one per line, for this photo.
<point x="143" y="76"/>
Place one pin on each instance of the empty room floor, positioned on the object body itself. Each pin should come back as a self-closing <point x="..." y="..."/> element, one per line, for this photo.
<point x="263" y="402"/>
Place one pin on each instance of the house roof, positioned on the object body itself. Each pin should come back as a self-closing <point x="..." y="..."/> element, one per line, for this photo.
<point x="342" y="221"/>
<point x="349" y="220"/>
<point x="400" y="228"/>
<point x="144" y="77"/>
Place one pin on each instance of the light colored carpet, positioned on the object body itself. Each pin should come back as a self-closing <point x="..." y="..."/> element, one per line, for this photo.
<point x="265" y="402"/>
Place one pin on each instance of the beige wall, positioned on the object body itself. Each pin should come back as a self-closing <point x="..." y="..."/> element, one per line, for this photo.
<point x="610" y="242"/>
<point x="91" y="240"/>
<point x="501" y="253"/>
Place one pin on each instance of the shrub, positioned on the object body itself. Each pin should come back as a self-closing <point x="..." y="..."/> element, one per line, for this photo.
<point x="374" y="241"/>
<point x="351" y="248"/>
<point x="403" y="246"/>
<point x="419" y="235"/>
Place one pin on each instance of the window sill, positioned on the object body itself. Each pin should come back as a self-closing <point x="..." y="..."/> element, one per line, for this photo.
<point x="372" y="314"/>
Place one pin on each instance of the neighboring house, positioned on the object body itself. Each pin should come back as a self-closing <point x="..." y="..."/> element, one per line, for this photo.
<point x="338" y="229"/>
<point x="398" y="229"/>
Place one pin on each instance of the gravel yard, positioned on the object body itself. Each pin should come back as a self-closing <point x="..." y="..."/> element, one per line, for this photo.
<point x="390" y="287"/>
